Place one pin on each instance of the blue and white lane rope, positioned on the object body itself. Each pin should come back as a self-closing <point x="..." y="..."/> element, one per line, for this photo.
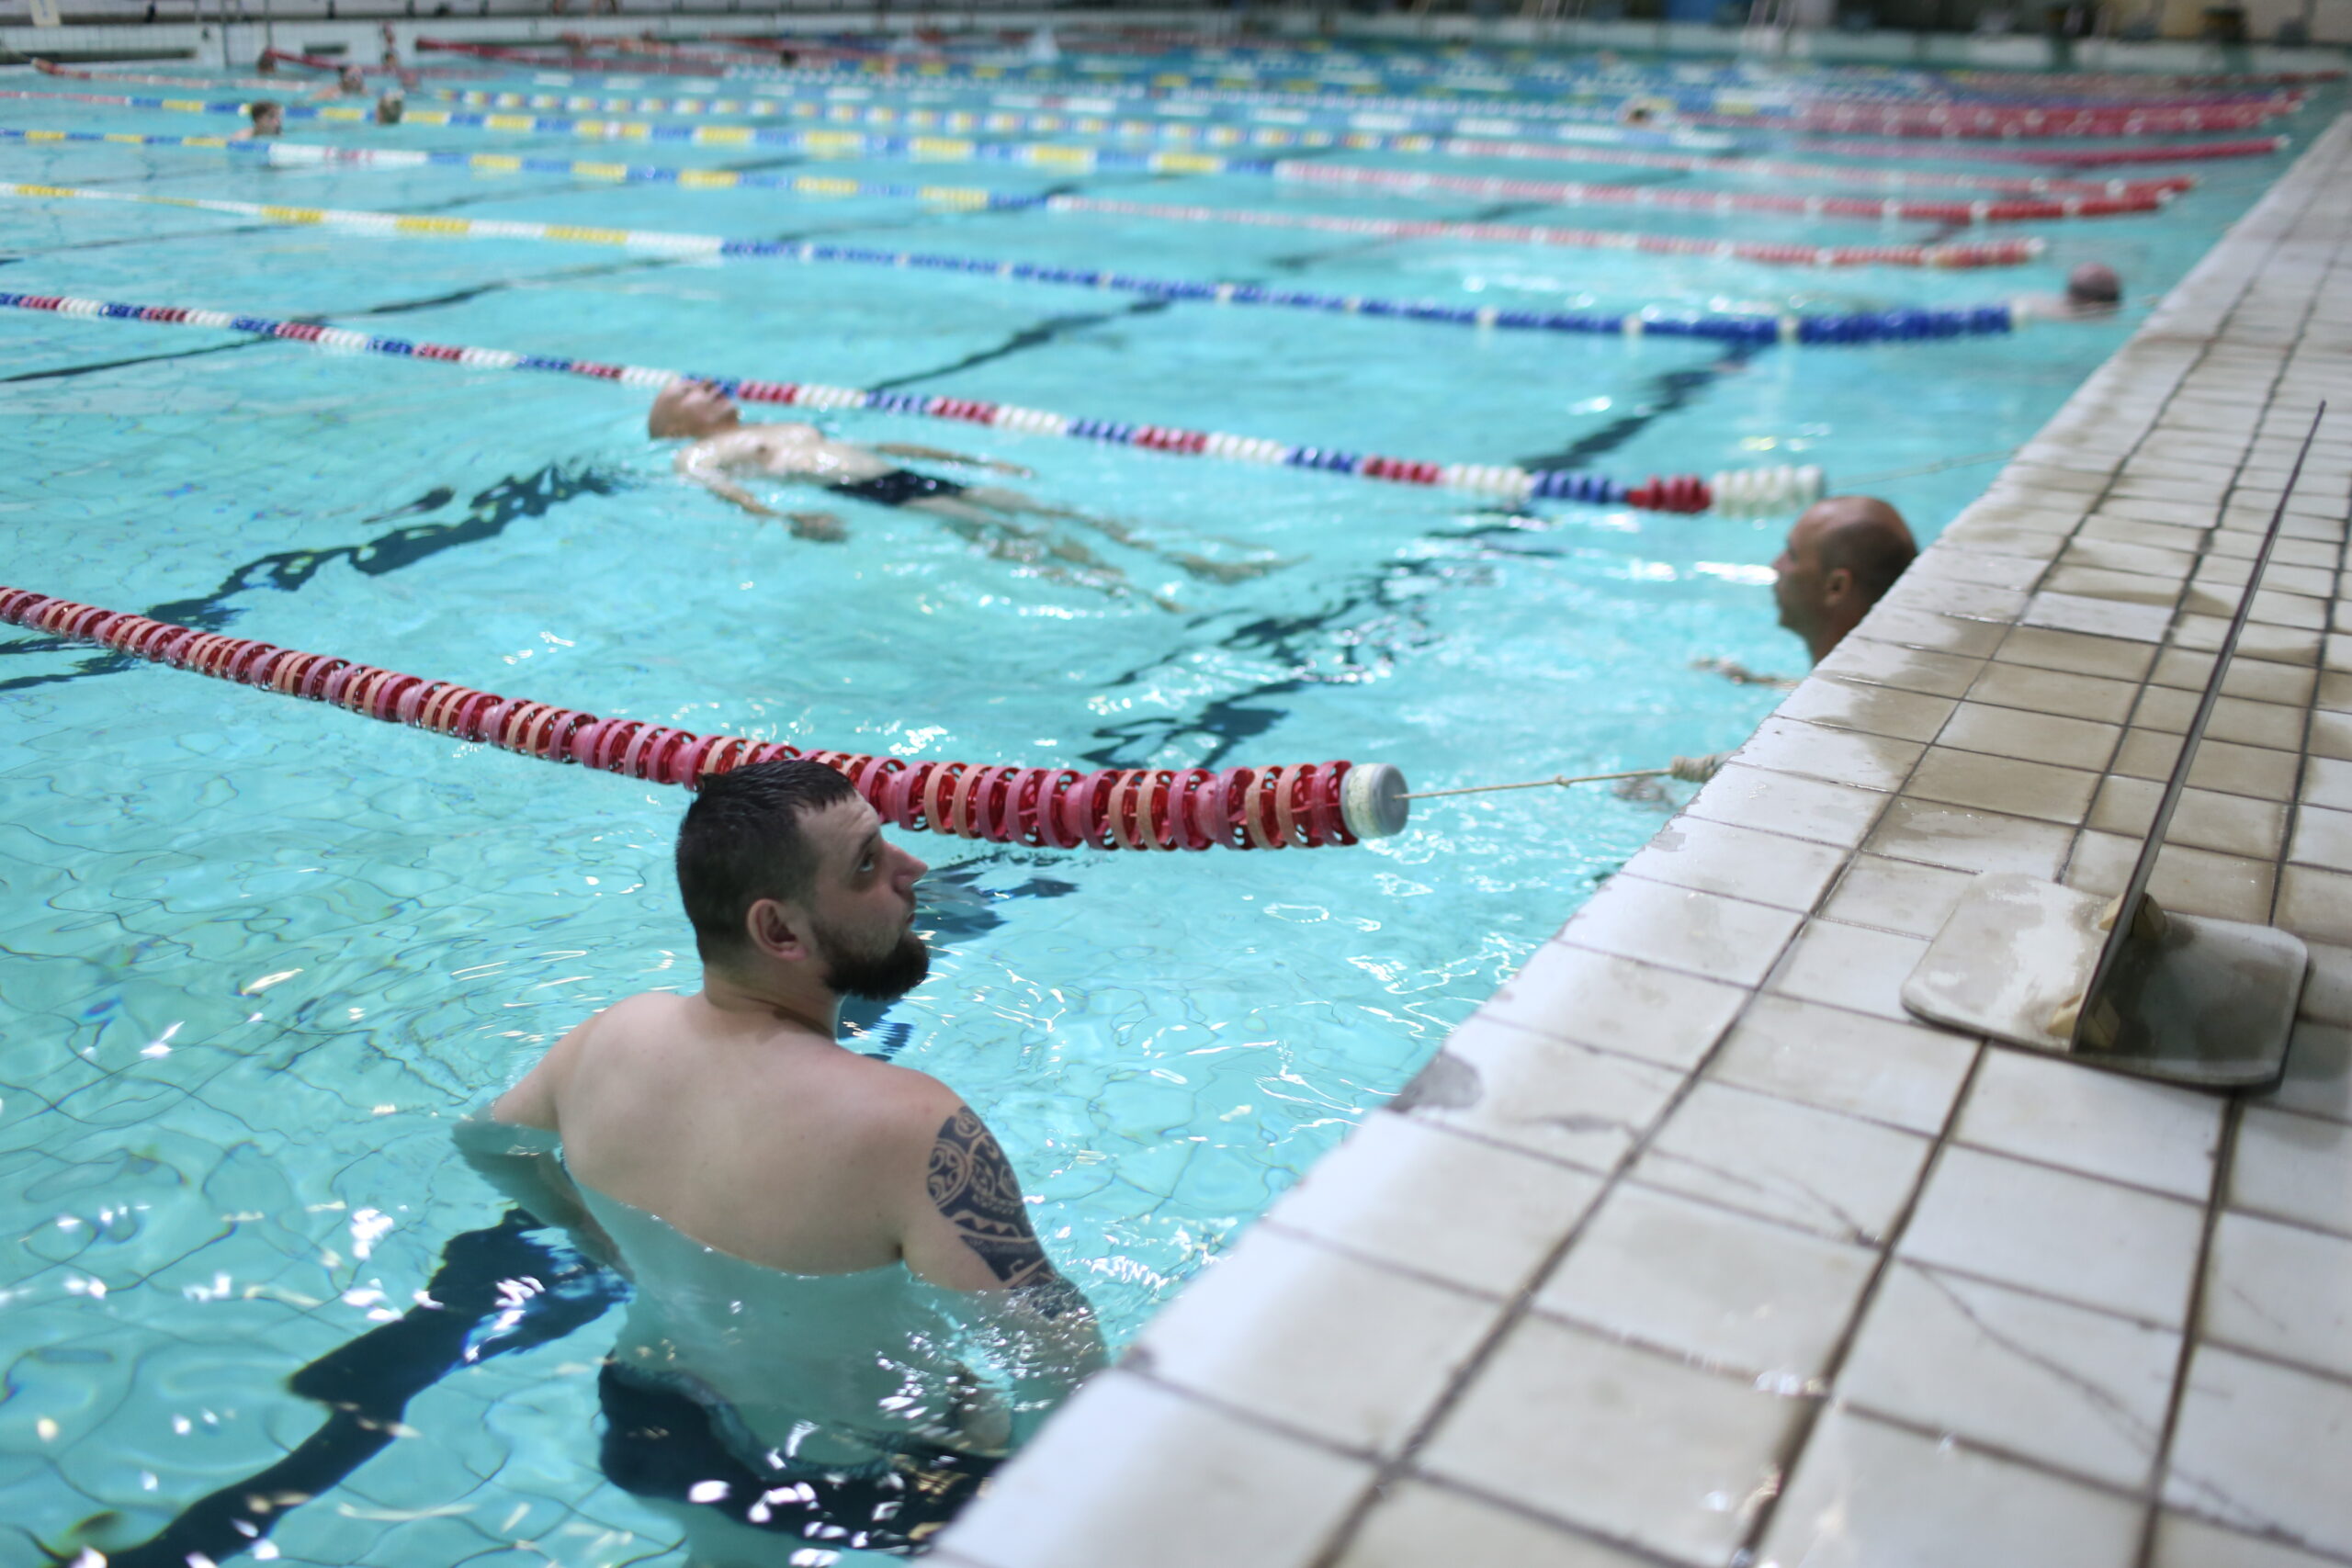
<point x="1869" y="326"/>
<point x="1741" y="493"/>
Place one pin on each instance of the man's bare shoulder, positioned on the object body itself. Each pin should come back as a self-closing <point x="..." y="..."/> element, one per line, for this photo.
<point x="899" y="1103"/>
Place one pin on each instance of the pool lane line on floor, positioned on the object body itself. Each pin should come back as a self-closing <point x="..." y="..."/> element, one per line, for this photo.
<point x="1899" y="325"/>
<point x="1087" y="159"/>
<point x="1942" y="255"/>
<point x="1769" y="489"/>
<point x="368" y="1383"/>
<point x="488" y="514"/>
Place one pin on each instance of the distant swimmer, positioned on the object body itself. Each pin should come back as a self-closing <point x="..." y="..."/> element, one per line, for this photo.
<point x="350" y="81"/>
<point x="843" y="1317"/>
<point x="2093" y="290"/>
<point x="391" y="108"/>
<point x="263" y="118"/>
<point x="724" y="447"/>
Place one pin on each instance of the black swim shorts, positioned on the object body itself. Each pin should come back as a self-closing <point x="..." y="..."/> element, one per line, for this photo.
<point x="662" y="1442"/>
<point x="898" y="488"/>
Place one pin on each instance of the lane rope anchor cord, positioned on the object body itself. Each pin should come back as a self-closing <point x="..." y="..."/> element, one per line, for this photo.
<point x="1683" y="492"/>
<point x="1900" y="325"/>
<point x="1303" y="805"/>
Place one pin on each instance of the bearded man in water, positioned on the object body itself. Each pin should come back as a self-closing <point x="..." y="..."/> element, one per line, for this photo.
<point x="810" y="1231"/>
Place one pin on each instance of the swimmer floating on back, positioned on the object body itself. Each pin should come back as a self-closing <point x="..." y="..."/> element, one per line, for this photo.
<point x="723" y="445"/>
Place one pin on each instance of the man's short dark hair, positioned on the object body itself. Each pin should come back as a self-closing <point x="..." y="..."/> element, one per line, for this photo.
<point x="1875" y="555"/>
<point x="741" y="842"/>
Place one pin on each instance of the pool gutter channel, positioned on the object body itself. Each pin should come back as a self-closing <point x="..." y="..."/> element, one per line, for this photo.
<point x="1440" y="1347"/>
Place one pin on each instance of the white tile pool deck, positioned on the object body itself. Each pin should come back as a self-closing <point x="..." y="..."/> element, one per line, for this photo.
<point x="1692" y="1248"/>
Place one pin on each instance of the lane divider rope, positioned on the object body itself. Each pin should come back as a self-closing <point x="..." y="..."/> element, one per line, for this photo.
<point x="2010" y="209"/>
<point x="972" y="198"/>
<point x="1741" y="493"/>
<point x="1902" y="326"/>
<point x="1585" y="239"/>
<point x="2068" y="157"/>
<point x="308" y="153"/>
<point x="1958" y="123"/>
<point x="937" y="149"/>
<point x="1215" y="133"/>
<point x="1963" y="121"/>
<point x="1301" y="805"/>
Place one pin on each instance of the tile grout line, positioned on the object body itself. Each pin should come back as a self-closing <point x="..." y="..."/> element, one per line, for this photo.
<point x="2192" y="1335"/>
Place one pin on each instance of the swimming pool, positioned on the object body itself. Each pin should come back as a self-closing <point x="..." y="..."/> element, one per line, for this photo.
<point x="267" y="952"/>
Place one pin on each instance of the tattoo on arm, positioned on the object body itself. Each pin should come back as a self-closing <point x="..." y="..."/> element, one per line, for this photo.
<point x="974" y="1189"/>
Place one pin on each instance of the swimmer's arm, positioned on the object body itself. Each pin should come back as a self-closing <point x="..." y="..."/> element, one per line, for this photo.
<point x="941" y="455"/>
<point x="513" y="1146"/>
<point x="967" y="1228"/>
<point x="706" y="467"/>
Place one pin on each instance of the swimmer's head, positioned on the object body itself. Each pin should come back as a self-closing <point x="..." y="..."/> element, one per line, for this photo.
<point x="789" y="883"/>
<point x="351" y="79"/>
<point x="267" y="63"/>
<point x="1841" y="557"/>
<point x="266" y="117"/>
<point x="690" y="411"/>
<point x="389" y="107"/>
<point x="2094" y="286"/>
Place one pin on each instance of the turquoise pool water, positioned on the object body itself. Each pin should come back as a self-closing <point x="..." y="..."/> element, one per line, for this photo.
<point x="262" y="952"/>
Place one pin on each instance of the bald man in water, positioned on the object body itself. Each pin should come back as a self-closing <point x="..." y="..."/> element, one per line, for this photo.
<point x="1841" y="558"/>
<point x="2093" y="290"/>
<point x="1843" y="554"/>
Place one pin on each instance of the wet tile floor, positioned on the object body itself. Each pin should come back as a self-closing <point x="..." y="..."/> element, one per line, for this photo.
<point x="1694" y="1248"/>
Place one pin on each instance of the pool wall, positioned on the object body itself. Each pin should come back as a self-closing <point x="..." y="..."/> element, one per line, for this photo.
<point x="1693" y="1248"/>
<point x="311" y="25"/>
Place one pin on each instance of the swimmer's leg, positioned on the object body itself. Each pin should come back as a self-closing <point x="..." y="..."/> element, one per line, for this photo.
<point x="1008" y="541"/>
<point x="1013" y="503"/>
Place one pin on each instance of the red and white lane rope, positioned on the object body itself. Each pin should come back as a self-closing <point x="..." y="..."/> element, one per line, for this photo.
<point x="124" y="78"/>
<point x="1765" y="251"/>
<point x="2013" y="210"/>
<point x="1777" y="169"/>
<point x="2069" y="157"/>
<point x="1294" y="804"/>
<point x="1971" y="122"/>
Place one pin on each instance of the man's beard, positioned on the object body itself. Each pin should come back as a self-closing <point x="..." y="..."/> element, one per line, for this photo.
<point x="883" y="976"/>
